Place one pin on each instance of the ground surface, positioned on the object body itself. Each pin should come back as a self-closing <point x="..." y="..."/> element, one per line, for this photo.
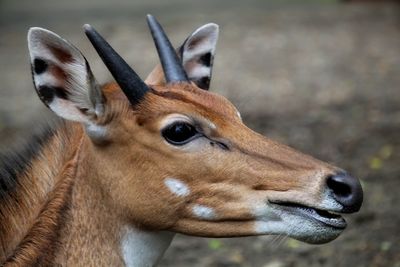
<point x="319" y="76"/>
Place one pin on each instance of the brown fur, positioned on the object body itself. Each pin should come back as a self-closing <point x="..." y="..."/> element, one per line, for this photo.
<point x="37" y="201"/>
<point x="41" y="243"/>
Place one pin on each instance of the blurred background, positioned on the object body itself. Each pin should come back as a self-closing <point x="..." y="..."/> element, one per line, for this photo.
<point x="320" y="75"/>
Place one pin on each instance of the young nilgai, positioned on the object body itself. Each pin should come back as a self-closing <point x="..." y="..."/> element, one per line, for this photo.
<point x="136" y="161"/>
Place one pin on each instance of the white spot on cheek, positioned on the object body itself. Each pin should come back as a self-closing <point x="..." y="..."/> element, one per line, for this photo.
<point x="177" y="187"/>
<point x="203" y="212"/>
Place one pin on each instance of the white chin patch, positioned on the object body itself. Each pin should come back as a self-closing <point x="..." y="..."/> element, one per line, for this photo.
<point x="177" y="187"/>
<point x="297" y="227"/>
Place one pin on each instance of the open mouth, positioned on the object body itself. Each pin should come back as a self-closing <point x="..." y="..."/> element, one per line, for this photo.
<point x="323" y="216"/>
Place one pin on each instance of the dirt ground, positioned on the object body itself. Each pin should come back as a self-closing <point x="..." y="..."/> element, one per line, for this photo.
<point x="320" y="76"/>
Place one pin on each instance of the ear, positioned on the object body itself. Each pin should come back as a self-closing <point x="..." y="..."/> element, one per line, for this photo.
<point x="197" y="55"/>
<point x="62" y="77"/>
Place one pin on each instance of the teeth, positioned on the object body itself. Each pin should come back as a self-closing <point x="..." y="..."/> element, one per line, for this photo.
<point x="327" y="214"/>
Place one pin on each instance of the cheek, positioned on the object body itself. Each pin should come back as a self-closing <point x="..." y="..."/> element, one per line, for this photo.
<point x="153" y="202"/>
<point x="181" y="190"/>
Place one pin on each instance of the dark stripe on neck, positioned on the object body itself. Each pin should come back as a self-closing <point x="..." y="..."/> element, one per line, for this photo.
<point x="14" y="162"/>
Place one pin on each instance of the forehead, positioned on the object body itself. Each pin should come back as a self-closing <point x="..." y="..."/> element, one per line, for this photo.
<point x="189" y="99"/>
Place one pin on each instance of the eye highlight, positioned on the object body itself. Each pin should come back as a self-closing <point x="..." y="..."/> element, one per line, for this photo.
<point x="179" y="133"/>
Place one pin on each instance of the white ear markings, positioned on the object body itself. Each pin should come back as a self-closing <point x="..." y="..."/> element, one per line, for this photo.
<point x="177" y="187"/>
<point x="62" y="77"/>
<point x="62" y="107"/>
<point x="198" y="52"/>
<point x="203" y="212"/>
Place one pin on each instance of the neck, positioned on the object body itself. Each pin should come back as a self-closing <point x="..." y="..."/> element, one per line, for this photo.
<point x="65" y="217"/>
<point x="98" y="233"/>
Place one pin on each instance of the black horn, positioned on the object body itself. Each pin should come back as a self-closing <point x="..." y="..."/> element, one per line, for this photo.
<point x="131" y="84"/>
<point x="173" y="69"/>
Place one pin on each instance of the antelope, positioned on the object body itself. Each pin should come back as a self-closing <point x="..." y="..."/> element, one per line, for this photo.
<point x="134" y="162"/>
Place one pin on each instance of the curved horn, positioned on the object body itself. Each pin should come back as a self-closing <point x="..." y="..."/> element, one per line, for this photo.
<point x="131" y="84"/>
<point x="173" y="69"/>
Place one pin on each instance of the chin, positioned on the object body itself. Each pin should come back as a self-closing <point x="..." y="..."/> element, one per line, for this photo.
<point x="303" y="225"/>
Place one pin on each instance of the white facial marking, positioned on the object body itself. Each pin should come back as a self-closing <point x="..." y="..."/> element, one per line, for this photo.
<point x="203" y="212"/>
<point x="144" y="248"/>
<point x="239" y="115"/>
<point x="212" y="125"/>
<point x="177" y="187"/>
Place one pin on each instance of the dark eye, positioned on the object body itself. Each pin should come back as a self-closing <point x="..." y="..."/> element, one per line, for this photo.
<point x="179" y="133"/>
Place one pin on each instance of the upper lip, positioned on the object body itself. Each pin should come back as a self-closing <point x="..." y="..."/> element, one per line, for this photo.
<point x="325" y="217"/>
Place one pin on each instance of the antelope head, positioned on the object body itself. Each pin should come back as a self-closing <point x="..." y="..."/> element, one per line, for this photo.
<point x="172" y="155"/>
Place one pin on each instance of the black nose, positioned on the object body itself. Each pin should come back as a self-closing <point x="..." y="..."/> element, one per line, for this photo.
<point x="347" y="191"/>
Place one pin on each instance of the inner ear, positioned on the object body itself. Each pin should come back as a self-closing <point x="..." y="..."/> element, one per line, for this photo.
<point x="197" y="54"/>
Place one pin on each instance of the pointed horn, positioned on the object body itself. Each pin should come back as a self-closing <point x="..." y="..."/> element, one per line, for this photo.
<point x="173" y="69"/>
<point x="131" y="84"/>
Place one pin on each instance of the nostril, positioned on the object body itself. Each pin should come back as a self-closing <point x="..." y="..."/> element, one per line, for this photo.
<point x="338" y="187"/>
<point x="346" y="190"/>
